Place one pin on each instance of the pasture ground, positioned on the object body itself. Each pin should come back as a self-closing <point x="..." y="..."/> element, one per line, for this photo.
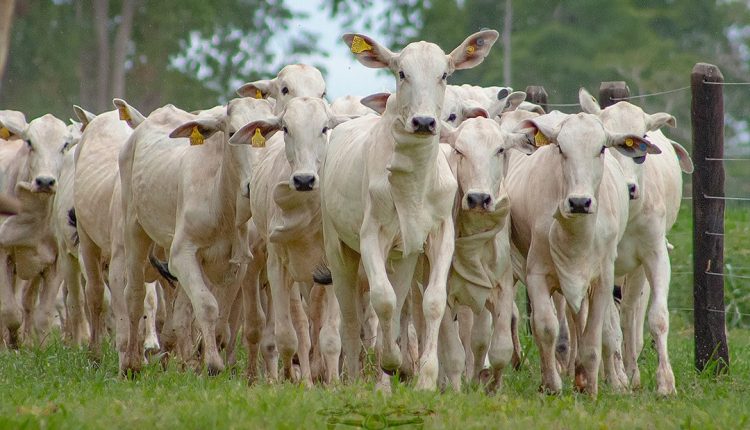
<point x="58" y="387"/>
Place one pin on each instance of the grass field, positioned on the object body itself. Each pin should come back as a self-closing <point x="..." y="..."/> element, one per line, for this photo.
<point x="56" y="387"/>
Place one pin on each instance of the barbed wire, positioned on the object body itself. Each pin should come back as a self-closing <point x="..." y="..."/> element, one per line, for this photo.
<point x="641" y="96"/>
<point x="725" y="83"/>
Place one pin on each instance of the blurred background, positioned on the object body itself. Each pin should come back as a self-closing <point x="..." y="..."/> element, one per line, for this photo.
<point x="195" y="53"/>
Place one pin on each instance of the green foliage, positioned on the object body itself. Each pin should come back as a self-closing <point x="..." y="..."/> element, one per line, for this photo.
<point x="191" y="53"/>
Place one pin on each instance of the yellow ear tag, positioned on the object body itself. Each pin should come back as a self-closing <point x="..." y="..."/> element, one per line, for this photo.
<point x="124" y="114"/>
<point x="4" y="132"/>
<point x="629" y="142"/>
<point x="359" y="45"/>
<point x="258" y="94"/>
<point x="196" y="138"/>
<point x="258" y="141"/>
<point x="470" y="49"/>
<point x="540" y="139"/>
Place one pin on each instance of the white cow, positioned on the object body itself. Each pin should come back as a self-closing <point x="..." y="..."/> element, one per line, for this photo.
<point x="569" y="209"/>
<point x="294" y="80"/>
<point x="481" y="274"/>
<point x="182" y="195"/>
<point x="387" y="191"/>
<point x="285" y="198"/>
<point x="26" y="240"/>
<point x="350" y="105"/>
<point x="655" y="187"/>
<point x="467" y="101"/>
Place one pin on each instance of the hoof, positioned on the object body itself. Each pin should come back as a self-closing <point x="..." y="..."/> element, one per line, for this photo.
<point x="214" y="369"/>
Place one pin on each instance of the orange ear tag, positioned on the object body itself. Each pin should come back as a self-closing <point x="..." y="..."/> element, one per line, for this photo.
<point x="359" y="45"/>
<point x="258" y="94"/>
<point x="258" y="141"/>
<point x="196" y="138"/>
<point x="4" y="132"/>
<point x="540" y="139"/>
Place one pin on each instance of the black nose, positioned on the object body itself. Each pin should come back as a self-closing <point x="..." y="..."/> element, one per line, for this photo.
<point x="478" y="200"/>
<point x="423" y="124"/>
<point x="303" y="182"/>
<point x="44" y="182"/>
<point x="631" y="189"/>
<point x="579" y="205"/>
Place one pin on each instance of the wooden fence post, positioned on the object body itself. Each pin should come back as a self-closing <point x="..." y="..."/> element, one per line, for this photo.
<point x="611" y="92"/>
<point x="538" y="95"/>
<point x="707" y="112"/>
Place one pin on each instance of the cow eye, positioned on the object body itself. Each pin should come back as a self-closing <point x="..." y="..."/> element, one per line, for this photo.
<point x="401" y="74"/>
<point x="231" y="134"/>
<point x="285" y="91"/>
<point x="602" y="151"/>
<point x="286" y="130"/>
<point x="451" y="117"/>
<point x="325" y="130"/>
<point x="445" y="76"/>
<point x="458" y="152"/>
<point x="322" y="96"/>
<point x="500" y="151"/>
<point x="28" y="143"/>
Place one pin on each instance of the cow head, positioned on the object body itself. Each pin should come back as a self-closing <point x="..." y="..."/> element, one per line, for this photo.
<point x="45" y="139"/>
<point x="294" y="80"/>
<point x="421" y="70"/>
<point x="581" y="141"/>
<point x="625" y="117"/>
<point x="228" y="119"/>
<point x="480" y="149"/>
<point x="305" y="122"/>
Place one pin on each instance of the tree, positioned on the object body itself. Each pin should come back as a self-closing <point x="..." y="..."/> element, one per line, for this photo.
<point x="7" y="9"/>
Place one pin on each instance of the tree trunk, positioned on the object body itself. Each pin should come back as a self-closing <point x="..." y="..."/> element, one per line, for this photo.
<point x="101" y="21"/>
<point x="120" y="48"/>
<point x="507" y="24"/>
<point x="7" y="8"/>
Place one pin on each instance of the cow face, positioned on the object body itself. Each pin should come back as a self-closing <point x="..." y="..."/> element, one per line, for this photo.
<point x="480" y="152"/>
<point x="294" y="80"/>
<point x="581" y="141"/>
<point x="421" y="70"/>
<point x="623" y="117"/>
<point x="305" y="123"/>
<point x="45" y="139"/>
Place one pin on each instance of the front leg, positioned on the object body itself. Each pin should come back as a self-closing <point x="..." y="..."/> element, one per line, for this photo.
<point x="440" y="245"/>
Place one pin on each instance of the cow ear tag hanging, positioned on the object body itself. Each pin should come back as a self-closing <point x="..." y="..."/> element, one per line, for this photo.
<point x="359" y="45"/>
<point x="196" y="138"/>
<point x="258" y="141"/>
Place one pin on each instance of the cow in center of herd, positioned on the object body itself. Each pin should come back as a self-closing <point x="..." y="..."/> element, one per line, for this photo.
<point x="387" y="196"/>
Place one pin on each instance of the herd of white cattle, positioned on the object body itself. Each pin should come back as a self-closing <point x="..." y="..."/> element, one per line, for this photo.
<point x="399" y="222"/>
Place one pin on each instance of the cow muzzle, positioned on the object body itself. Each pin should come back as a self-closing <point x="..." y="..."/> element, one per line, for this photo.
<point x="579" y="205"/>
<point x="423" y="125"/>
<point x="304" y="182"/>
<point x="44" y="184"/>
<point x="479" y="202"/>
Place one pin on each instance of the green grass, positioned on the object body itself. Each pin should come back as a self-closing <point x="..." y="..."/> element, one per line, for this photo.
<point x="57" y="387"/>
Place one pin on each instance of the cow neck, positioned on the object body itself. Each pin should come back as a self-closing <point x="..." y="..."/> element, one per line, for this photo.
<point x="227" y="183"/>
<point x="411" y="170"/>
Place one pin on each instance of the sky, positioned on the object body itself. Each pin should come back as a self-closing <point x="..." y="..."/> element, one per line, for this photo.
<point x="345" y="75"/>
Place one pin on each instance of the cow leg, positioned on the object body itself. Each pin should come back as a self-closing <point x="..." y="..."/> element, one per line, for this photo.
<point x="562" y="346"/>
<point x="501" y="345"/>
<point x="658" y="272"/>
<point x="370" y="320"/>
<point x="545" y="329"/>
<point x="255" y="319"/>
<point x="450" y="350"/>
<point x="465" y="319"/>
<point x="151" y="341"/>
<point x="92" y="266"/>
<point x="75" y="302"/>
<point x="329" y="339"/>
<point x="136" y="246"/>
<point x="514" y="322"/>
<point x="116" y="281"/>
<point x="29" y="295"/>
<point x="439" y="254"/>
<point x="184" y="260"/>
<point x="281" y="293"/>
<point x="408" y="363"/>
<point x="176" y="336"/>
<point x="590" y="344"/>
<point x="234" y="322"/>
<point x="10" y="311"/>
<point x="50" y="281"/>
<point x="302" y="328"/>
<point x="612" y="349"/>
<point x="344" y="263"/>
<point x="316" y="308"/>
<point x="480" y="341"/>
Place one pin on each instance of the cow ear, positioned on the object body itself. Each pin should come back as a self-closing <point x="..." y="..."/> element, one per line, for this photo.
<point x="508" y="103"/>
<point x="448" y="134"/>
<point x="336" y="120"/>
<point x="472" y="51"/>
<point x="686" y="164"/>
<point x="256" y="133"/>
<point x="83" y="115"/>
<point x="523" y="142"/>
<point x="631" y="145"/>
<point x="659" y="120"/>
<point x="538" y="133"/>
<point x="588" y="102"/>
<point x="475" y="112"/>
<point x="128" y="113"/>
<point x="369" y="52"/>
<point x="12" y="123"/>
<point x="261" y="89"/>
<point x="198" y="130"/>
<point x="376" y="102"/>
